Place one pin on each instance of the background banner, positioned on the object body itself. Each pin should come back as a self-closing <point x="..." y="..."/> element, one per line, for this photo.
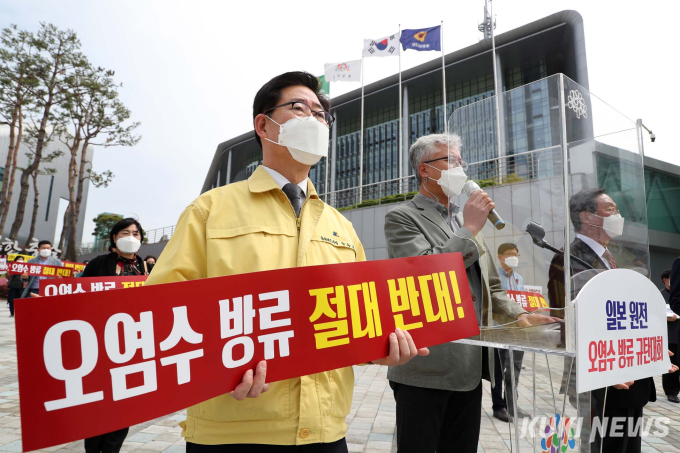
<point x="38" y="270"/>
<point x="65" y="286"/>
<point x="528" y="300"/>
<point x="93" y="363"/>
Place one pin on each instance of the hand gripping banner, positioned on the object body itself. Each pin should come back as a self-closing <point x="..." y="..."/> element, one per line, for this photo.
<point x="92" y="363"/>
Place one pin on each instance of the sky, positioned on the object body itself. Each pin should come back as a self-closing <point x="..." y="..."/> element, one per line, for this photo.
<point x="190" y="71"/>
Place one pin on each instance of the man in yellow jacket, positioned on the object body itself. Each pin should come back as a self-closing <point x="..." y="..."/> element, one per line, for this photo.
<point x="274" y="220"/>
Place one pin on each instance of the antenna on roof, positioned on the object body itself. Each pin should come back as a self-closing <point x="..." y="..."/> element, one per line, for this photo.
<point x="485" y="26"/>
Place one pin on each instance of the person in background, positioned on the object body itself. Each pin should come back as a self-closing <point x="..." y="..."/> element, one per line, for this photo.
<point x="80" y="274"/>
<point x="125" y="237"/>
<point x="503" y="408"/>
<point x="597" y="223"/>
<point x="671" y="381"/>
<point x="150" y="262"/>
<point x="15" y="286"/>
<point x="44" y="258"/>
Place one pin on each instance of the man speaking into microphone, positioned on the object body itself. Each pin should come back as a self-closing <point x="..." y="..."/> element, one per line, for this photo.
<point x="439" y="397"/>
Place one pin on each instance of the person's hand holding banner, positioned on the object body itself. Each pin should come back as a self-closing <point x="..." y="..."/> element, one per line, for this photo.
<point x="252" y="386"/>
<point x="143" y="352"/>
<point x="402" y="349"/>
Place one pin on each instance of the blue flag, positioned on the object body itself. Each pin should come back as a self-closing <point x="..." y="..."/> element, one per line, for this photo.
<point x="422" y="39"/>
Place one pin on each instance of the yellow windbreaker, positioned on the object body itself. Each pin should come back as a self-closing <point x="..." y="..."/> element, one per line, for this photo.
<point x="251" y="226"/>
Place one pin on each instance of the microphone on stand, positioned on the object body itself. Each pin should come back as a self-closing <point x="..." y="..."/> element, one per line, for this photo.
<point x="471" y="187"/>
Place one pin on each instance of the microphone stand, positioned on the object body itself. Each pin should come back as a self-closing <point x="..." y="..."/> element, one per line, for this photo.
<point x="534" y="230"/>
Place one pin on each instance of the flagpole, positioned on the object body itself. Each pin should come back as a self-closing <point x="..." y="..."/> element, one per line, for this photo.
<point x="401" y="119"/>
<point x="361" y="143"/>
<point x="497" y="89"/>
<point x="441" y="38"/>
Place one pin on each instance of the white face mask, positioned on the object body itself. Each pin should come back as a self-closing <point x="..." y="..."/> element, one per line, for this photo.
<point x="612" y="225"/>
<point x="306" y="139"/>
<point x="451" y="181"/>
<point x="45" y="253"/>
<point x="128" y="244"/>
<point x="512" y="262"/>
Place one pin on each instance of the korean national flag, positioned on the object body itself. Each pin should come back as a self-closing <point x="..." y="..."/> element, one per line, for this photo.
<point x="422" y="39"/>
<point x="383" y="47"/>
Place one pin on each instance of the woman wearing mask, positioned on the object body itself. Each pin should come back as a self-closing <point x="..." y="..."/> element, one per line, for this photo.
<point x="150" y="262"/>
<point x="15" y="287"/>
<point x="126" y="237"/>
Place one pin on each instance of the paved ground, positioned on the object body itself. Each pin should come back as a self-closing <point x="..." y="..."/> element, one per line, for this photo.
<point x="371" y="421"/>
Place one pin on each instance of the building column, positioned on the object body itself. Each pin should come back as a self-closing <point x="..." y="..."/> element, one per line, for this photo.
<point x="333" y="161"/>
<point x="502" y="107"/>
<point x="228" y="180"/>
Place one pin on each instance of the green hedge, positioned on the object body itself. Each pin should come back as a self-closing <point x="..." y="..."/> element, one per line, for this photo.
<point x="384" y="200"/>
<point x="509" y="179"/>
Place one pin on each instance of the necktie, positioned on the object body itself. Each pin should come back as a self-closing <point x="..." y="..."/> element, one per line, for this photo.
<point x="608" y="256"/>
<point x="293" y="191"/>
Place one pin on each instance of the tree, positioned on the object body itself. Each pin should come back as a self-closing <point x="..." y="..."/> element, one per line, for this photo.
<point x="98" y="118"/>
<point x="16" y="81"/>
<point x="104" y="223"/>
<point x="53" y="66"/>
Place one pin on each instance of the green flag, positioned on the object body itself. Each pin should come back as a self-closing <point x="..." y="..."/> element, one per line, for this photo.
<point x="325" y="86"/>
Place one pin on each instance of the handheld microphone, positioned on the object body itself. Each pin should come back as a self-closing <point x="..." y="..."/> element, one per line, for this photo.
<point x="471" y="187"/>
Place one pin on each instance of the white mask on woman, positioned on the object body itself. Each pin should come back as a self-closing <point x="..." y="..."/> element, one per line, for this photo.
<point x="128" y="244"/>
<point x="306" y="139"/>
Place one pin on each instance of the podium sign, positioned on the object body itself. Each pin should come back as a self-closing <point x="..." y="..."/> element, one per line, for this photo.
<point x="622" y="332"/>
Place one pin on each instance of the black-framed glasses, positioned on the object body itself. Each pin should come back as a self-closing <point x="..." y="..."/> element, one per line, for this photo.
<point x="454" y="163"/>
<point x="303" y="111"/>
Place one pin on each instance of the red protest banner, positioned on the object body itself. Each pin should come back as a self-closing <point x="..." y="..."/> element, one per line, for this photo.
<point x="67" y="286"/>
<point x="38" y="270"/>
<point x="528" y="300"/>
<point x="94" y="363"/>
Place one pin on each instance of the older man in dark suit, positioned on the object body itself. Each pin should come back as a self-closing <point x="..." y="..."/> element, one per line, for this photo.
<point x="597" y="221"/>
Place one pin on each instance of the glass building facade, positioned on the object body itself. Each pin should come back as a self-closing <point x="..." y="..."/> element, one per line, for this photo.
<point x="528" y="128"/>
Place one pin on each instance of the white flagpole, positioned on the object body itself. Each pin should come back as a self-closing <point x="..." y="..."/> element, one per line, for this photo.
<point x="401" y="117"/>
<point x="361" y="143"/>
<point x="497" y="89"/>
<point x="441" y="38"/>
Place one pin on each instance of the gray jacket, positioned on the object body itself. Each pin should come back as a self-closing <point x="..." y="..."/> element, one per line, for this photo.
<point x="51" y="261"/>
<point x="417" y="228"/>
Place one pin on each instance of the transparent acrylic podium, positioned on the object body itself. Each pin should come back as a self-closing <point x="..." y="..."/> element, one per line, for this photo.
<point x="557" y="142"/>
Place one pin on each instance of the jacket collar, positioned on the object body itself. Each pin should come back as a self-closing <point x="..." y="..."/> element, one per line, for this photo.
<point x="260" y="182"/>
<point x="429" y="210"/>
<point x="587" y="254"/>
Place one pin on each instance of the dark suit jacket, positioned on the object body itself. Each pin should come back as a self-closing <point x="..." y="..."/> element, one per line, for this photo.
<point x="674" y="295"/>
<point x="673" y="326"/>
<point x="643" y="390"/>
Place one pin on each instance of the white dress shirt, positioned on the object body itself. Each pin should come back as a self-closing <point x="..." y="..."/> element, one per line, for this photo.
<point x="281" y="181"/>
<point x="596" y="247"/>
